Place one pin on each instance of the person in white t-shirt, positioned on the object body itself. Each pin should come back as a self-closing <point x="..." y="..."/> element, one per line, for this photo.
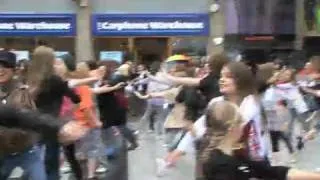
<point x="237" y="84"/>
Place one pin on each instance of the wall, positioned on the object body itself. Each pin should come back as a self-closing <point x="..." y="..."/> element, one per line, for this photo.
<point x="150" y="6"/>
<point x="106" y="6"/>
<point x="37" y="6"/>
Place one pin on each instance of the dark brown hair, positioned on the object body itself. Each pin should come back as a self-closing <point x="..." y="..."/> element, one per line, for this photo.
<point x="244" y="78"/>
<point x="315" y="62"/>
<point x="216" y="63"/>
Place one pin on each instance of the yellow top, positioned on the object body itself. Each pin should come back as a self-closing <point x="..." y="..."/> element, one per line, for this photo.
<point x="178" y="58"/>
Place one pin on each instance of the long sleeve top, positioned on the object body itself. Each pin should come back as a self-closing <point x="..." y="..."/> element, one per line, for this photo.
<point x="50" y="96"/>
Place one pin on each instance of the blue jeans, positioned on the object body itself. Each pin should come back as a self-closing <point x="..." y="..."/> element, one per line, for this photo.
<point x="30" y="161"/>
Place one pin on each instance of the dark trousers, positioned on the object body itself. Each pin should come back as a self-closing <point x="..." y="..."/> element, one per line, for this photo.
<point x="128" y="134"/>
<point x="276" y="136"/>
<point x="69" y="152"/>
<point x="52" y="160"/>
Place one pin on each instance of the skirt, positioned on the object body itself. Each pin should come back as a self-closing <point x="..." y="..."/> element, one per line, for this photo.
<point x="90" y="146"/>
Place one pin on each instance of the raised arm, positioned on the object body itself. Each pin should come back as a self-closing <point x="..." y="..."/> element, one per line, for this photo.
<point x="107" y="88"/>
<point x="78" y="82"/>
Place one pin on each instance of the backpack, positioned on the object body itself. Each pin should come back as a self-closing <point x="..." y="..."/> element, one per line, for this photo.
<point x="13" y="140"/>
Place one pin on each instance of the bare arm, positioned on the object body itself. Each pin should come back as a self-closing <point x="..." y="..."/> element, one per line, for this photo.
<point x="186" y="81"/>
<point x="295" y="174"/>
<point x="156" y="79"/>
<point x="78" y="82"/>
<point x="106" y="89"/>
<point x="311" y="91"/>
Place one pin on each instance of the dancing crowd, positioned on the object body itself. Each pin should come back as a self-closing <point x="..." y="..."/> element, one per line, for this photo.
<point x="227" y="110"/>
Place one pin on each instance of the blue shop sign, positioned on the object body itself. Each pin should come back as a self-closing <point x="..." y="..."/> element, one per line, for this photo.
<point x="150" y="24"/>
<point x="37" y="25"/>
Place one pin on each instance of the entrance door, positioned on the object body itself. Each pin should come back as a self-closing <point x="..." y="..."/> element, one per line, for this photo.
<point x="151" y="49"/>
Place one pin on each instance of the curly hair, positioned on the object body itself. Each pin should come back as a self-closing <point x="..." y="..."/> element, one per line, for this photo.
<point x="221" y="116"/>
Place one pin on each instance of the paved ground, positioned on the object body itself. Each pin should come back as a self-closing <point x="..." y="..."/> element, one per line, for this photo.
<point x="142" y="164"/>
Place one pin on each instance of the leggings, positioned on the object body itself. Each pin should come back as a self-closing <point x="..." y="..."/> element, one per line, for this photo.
<point x="275" y="138"/>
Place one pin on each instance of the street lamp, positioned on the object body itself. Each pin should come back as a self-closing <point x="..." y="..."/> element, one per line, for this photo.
<point x="214" y="7"/>
<point x="82" y="3"/>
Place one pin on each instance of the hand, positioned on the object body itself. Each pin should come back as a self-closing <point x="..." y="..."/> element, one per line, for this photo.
<point x="98" y="124"/>
<point x="98" y="73"/>
<point x="71" y="132"/>
<point x="314" y="76"/>
<point x="120" y="85"/>
<point x="140" y="96"/>
<point x="188" y="126"/>
<point x="116" y="131"/>
<point x="101" y="71"/>
<point x="310" y="135"/>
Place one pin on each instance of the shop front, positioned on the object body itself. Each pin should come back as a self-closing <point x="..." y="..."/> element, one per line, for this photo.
<point x="22" y="32"/>
<point x="146" y="37"/>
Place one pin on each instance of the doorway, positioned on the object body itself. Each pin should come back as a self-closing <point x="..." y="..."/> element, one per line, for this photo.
<point x="151" y="49"/>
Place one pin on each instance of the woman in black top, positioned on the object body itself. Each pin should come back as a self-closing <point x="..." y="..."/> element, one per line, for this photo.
<point x="113" y="106"/>
<point x="48" y="91"/>
<point x="221" y="144"/>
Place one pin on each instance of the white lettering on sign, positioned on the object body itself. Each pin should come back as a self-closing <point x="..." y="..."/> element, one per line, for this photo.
<point x="35" y="26"/>
<point x="5" y="26"/>
<point x="150" y="25"/>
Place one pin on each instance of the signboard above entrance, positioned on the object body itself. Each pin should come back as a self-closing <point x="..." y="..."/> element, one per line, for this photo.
<point x="150" y="24"/>
<point x="37" y="25"/>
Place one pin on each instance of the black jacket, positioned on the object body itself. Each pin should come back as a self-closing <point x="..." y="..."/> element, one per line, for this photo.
<point x="46" y="125"/>
<point x="220" y="166"/>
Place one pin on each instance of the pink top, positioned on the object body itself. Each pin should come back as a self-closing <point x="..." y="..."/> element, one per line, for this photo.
<point x="66" y="108"/>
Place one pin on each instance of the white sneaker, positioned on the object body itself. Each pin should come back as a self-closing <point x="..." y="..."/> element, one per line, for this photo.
<point x="161" y="167"/>
<point x="65" y="169"/>
<point x="101" y="170"/>
<point x="165" y="145"/>
<point x="150" y="131"/>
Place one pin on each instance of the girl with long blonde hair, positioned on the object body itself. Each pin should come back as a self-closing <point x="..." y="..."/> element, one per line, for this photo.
<point x="48" y="90"/>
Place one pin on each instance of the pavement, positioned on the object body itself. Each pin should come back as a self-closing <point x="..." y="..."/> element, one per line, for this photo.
<point x="142" y="161"/>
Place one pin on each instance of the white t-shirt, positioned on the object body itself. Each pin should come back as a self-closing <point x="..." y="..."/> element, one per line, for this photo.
<point x="286" y="91"/>
<point x="250" y="109"/>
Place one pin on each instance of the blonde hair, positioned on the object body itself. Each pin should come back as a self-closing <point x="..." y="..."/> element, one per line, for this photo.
<point x="221" y="116"/>
<point x="124" y="69"/>
<point x="41" y="67"/>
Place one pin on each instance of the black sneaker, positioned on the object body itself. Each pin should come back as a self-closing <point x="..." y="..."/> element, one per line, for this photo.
<point x="300" y="143"/>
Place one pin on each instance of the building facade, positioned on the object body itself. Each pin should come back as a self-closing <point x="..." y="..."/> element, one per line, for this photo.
<point x="100" y="28"/>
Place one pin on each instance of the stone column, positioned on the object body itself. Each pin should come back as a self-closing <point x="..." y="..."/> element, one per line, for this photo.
<point x="217" y="29"/>
<point x="84" y="43"/>
<point x="300" y="26"/>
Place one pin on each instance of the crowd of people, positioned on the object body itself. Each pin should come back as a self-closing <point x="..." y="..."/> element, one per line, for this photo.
<point x="225" y="109"/>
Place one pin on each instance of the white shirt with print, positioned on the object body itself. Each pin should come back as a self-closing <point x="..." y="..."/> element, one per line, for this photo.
<point x="250" y="110"/>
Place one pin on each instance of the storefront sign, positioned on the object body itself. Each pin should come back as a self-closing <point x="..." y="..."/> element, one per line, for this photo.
<point x="37" y="24"/>
<point x="150" y="24"/>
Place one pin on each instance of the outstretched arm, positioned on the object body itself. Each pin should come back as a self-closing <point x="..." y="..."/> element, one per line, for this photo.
<point x="49" y="127"/>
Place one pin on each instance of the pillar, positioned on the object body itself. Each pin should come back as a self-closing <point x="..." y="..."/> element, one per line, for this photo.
<point x="84" y="43"/>
<point x="300" y="26"/>
<point x="217" y="28"/>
